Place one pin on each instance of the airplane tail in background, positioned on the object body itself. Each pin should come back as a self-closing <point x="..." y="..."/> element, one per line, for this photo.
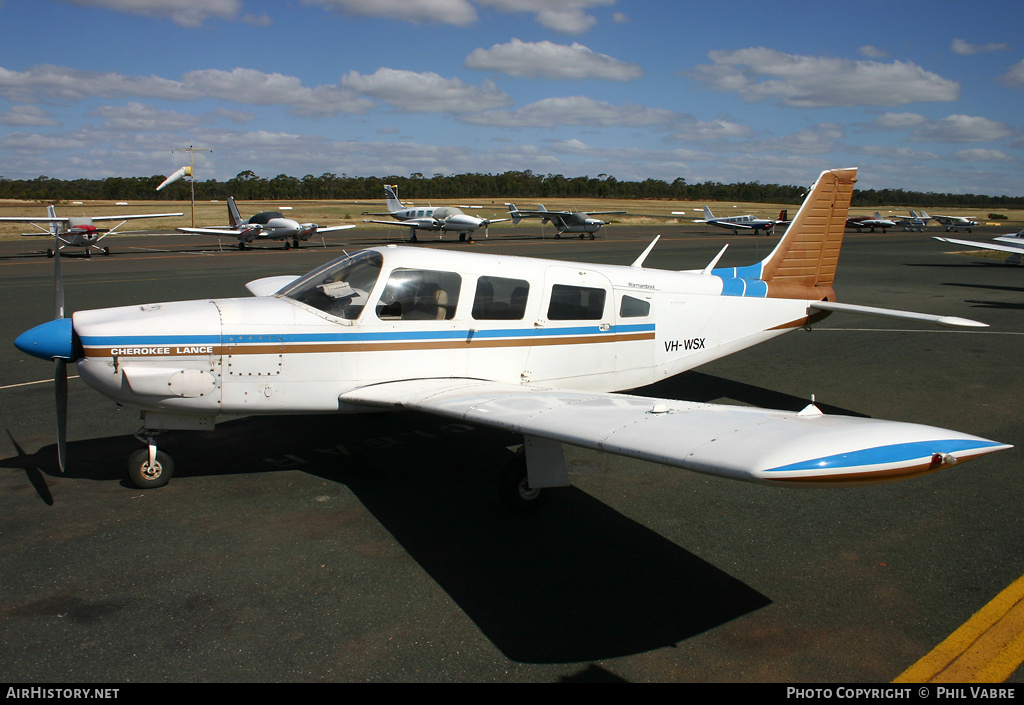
<point x="54" y="225"/>
<point x="803" y="264"/>
<point x="514" y="212"/>
<point x="234" y="219"/>
<point x="392" y="199"/>
<point x="707" y="214"/>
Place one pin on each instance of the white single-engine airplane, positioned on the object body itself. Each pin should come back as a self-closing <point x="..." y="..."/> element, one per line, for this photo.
<point x="270" y="225"/>
<point x="78" y="231"/>
<point x="956" y="222"/>
<point x="735" y="222"/>
<point x="866" y="221"/>
<point x="914" y="222"/>
<point x="444" y="219"/>
<point x="536" y="347"/>
<point x="565" y="221"/>
<point x="1013" y="244"/>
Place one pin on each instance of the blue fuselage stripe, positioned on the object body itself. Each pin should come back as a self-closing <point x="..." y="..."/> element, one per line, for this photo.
<point x="369" y="337"/>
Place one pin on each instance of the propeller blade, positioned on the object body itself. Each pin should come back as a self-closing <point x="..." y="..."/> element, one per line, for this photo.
<point x="60" y="386"/>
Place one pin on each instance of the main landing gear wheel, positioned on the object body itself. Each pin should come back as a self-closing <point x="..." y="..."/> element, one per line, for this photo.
<point x="146" y="476"/>
<point x="514" y="489"/>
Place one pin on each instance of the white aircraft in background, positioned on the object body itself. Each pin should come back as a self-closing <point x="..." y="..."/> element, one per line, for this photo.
<point x="1013" y="244"/>
<point x="536" y="347"/>
<point x="915" y="222"/>
<point x="955" y="222"/>
<point x="78" y="231"/>
<point x="734" y="223"/>
<point x="565" y="221"/>
<point x="872" y="222"/>
<point x="443" y="219"/>
<point x="269" y="225"/>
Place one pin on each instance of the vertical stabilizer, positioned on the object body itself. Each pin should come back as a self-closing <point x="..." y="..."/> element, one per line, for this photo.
<point x="392" y="199"/>
<point x="234" y="219"/>
<point x="808" y="254"/>
<point x="54" y="225"/>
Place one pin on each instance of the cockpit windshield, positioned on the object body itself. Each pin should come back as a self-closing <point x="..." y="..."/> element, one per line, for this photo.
<point x="340" y="288"/>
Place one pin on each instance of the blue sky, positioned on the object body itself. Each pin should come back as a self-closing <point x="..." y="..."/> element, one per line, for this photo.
<point x="920" y="95"/>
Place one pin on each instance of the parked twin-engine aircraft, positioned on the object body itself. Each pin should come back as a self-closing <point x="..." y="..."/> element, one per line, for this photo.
<point x="565" y="221"/>
<point x="269" y="225"/>
<point x="78" y="231"/>
<point x="1012" y="244"/>
<point x="537" y="347"/>
<point x="956" y="222"/>
<point x="443" y="219"/>
<point x="735" y="222"/>
<point x="865" y="221"/>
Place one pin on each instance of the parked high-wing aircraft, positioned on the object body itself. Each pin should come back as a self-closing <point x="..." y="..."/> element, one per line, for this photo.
<point x="78" y="231"/>
<point x="864" y="221"/>
<point x="443" y="219"/>
<point x="269" y="225"/>
<point x="565" y="221"/>
<point x="956" y="222"/>
<point x="536" y="347"/>
<point x="1013" y="244"/>
<point x="914" y="222"/>
<point x="735" y="222"/>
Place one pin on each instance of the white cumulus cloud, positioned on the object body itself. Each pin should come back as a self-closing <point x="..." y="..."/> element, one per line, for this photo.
<point x="759" y="74"/>
<point x="549" y="60"/>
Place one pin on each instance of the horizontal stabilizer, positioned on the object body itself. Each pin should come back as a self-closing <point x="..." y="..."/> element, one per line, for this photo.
<point x="946" y="321"/>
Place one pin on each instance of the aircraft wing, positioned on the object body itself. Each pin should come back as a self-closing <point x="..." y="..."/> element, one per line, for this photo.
<point x="19" y="219"/>
<point x="738" y="442"/>
<point x="335" y="227"/>
<point x="983" y="245"/>
<point x="386" y="222"/>
<point x="133" y="217"/>
<point x="227" y="232"/>
<point x="542" y="214"/>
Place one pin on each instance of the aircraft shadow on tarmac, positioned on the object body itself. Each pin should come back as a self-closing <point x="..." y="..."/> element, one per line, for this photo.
<point x="575" y="581"/>
<point x="1016" y="306"/>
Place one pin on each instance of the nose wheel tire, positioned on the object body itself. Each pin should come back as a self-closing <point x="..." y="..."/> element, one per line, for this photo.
<point x="149" y="476"/>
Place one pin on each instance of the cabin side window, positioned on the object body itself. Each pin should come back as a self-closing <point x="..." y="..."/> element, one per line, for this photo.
<point x="632" y="307"/>
<point x="419" y="295"/>
<point x="500" y="299"/>
<point x="576" y="303"/>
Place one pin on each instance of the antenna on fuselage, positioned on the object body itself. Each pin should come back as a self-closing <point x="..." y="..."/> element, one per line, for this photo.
<point x="640" y="260"/>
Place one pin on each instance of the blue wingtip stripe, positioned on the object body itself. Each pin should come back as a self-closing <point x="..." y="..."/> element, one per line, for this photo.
<point x="884" y="455"/>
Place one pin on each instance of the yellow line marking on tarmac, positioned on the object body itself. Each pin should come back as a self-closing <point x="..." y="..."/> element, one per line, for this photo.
<point x="987" y="648"/>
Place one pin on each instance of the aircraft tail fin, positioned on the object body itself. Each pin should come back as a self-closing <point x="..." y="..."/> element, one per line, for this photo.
<point x="540" y="207"/>
<point x="514" y="212"/>
<point x="234" y="219"/>
<point x="783" y="215"/>
<point x="808" y="254"/>
<point x="392" y="199"/>
<point x="707" y="214"/>
<point x="54" y="225"/>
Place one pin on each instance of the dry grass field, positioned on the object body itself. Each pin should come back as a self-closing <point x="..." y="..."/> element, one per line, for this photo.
<point x="639" y="212"/>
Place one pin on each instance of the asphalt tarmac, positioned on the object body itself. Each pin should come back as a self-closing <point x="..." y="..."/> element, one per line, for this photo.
<point x="373" y="548"/>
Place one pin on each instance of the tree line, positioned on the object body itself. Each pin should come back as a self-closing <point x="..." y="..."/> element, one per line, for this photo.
<point x="248" y="186"/>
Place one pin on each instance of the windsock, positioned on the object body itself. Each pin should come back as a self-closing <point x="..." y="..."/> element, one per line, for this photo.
<point x="179" y="174"/>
